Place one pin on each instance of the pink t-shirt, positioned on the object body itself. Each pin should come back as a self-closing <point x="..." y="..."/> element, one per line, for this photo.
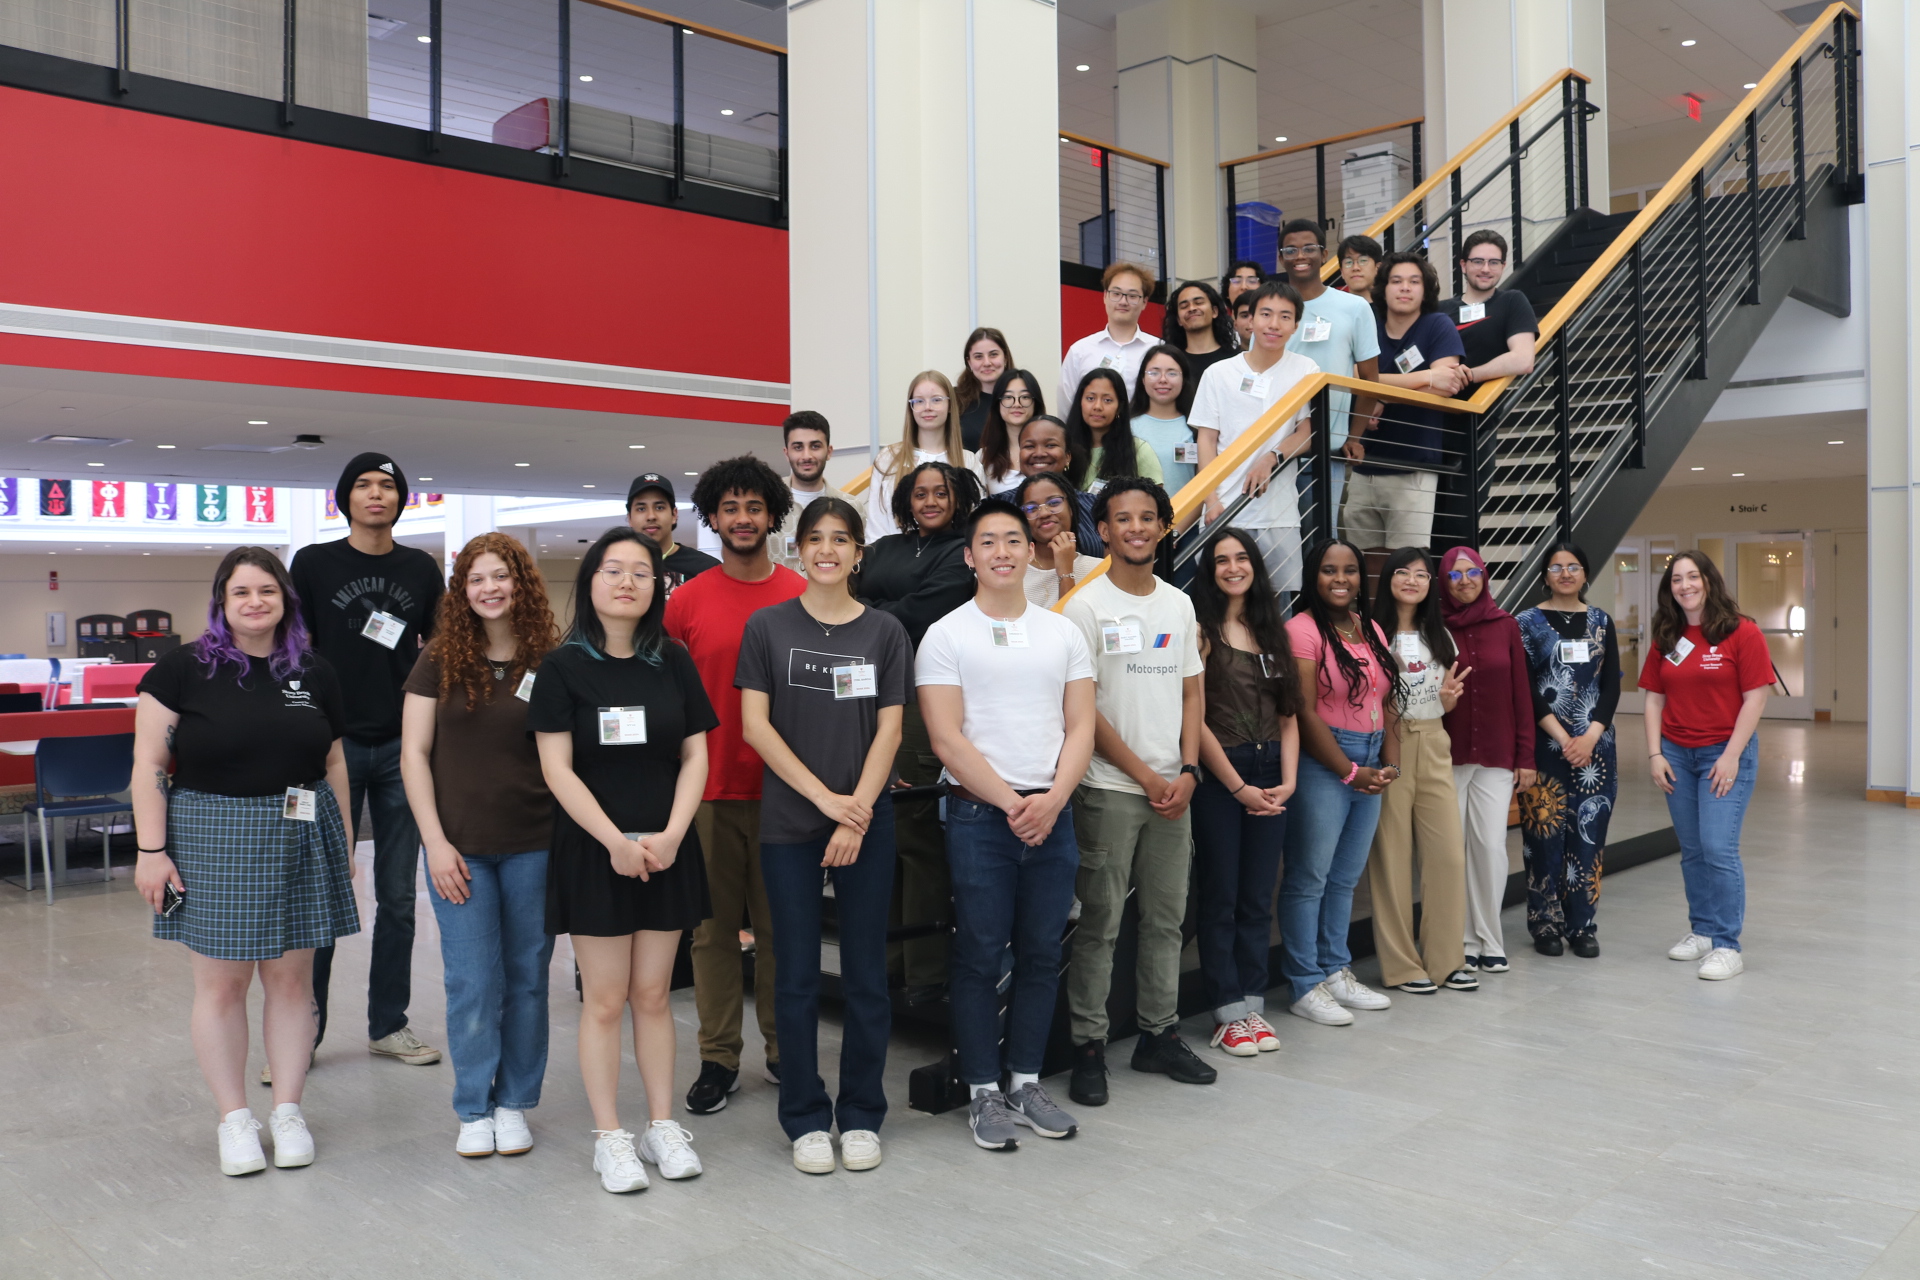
<point x="1330" y="701"/>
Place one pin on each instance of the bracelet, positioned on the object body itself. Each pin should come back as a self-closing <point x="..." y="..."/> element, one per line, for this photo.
<point x="1352" y="773"/>
<point x="1242" y="787"/>
<point x="161" y="849"/>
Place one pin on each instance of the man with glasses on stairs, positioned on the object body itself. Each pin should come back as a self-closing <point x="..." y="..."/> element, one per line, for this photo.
<point x="1497" y="327"/>
<point x="1121" y="345"/>
<point x="1336" y="331"/>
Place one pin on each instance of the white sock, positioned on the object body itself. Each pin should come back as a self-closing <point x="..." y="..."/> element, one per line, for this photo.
<point x="979" y="1089"/>
<point x="287" y="1109"/>
<point x="241" y="1116"/>
<point x="1021" y="1080"/>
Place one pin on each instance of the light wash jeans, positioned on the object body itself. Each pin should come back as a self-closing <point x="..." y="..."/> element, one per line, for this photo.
<point x="1329" y="831"/>
<point x="1709" y="830"/>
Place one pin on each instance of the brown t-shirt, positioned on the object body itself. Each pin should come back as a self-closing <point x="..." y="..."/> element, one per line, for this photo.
<point x="486" y="770"/>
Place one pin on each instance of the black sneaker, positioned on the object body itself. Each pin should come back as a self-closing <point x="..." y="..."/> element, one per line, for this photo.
<point x="932" y="993"/>
<point x="1168" y="1055"/>
<point x="1463" y="980"/>
<point x="1549" y="945"/>
<point x="1493" y="964"/>
<point x="709" y="1092"/>
<point x="1418" y="986"/>
<point x="1473" y="962"/>
<point x="1584" y="945"/>
<point x="771" y="1073"/>
<point x="1088" y="1085"/>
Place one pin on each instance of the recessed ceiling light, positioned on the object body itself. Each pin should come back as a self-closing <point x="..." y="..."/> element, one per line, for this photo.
<point x="523" y="464"/>
<point x="423" y="477"/>
<point x="636" y="446"/>
<point x="1688" y="44"/>
<point x="586" y="79"/>
<point x="1281" y="138"/>
<point x="693" y="473"/>
<point x="96" y="464"/>
<point x="256" y="422"/>
<point x="1738" y="474"/>
<point x="586" y="486"/>
<point x="726" y="111"/>
<point x="1696" y="468"/>
<point x="424" y="39"/>
<point x="146" y="553"/>
<point x="166" y="446"/>
<point x="1082" y="67"/>
<point x="1836" y="442"/>
<point x="1752" y="85"/>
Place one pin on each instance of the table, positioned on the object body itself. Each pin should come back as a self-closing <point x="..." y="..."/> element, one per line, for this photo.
<point x="15" y="729"/>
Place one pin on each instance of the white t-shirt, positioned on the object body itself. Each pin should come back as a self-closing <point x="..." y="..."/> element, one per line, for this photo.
<point x="1420" y="676"/>
<point x="1015" y="701"/>
<point x="1231" y="399"/>
<point x="1099" y="350"/>
<point x="1043" y="585"/>
<point x="880" y="492"/>
<point x="1143" y="648"/>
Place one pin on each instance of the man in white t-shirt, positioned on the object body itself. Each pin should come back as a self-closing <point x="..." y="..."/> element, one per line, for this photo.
<point x="1121" y="345"/>
<point x="1006" y="690"/>
<point x="1131" y="813"/>
<point x="1235" y="394"/>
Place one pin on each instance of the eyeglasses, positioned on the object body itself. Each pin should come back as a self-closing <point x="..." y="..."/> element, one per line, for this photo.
<point x="1486" y="262"/>
<point x="1353" y="264"/>
<point x="1302" y="250"/>
<point x="614" y="577"/>
<point x="1413" y="575"/>
<point x="1462" y="575"/>
<point x="1564" y="570"/>
<point x="1130" y="296"/>
<point x="928" y="402"/>
<point x="1161" y="374"/>
<point x="1045" y="504"/>
<point x="1018" y="399"/>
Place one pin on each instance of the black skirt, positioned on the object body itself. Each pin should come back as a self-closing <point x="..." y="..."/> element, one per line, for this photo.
<point x="586" y="896"/>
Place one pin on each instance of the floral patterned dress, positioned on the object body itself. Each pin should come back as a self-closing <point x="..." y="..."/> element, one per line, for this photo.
<point x="1563" y="818"/>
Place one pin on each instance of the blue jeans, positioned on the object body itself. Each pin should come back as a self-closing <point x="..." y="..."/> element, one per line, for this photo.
<point x="1236" y="858"/>
<point x="862" y="896"/>
<point x="1331" y="832"/>
<point x="495" y="948"/>
<point x="1005" y="894"/>
<point x="373" y="775"/>
<point x="1709" y="830"/>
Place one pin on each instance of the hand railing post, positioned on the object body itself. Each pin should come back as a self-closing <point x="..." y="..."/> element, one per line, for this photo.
<point x="1701" y="305"/>
<point x="1752" y="298"/>
<point x="1513" y="170"/>
<point x="1476" y="468"/>
<point x="1323" y="513"/>
<point x="1160" y="221"/>
<point x="123" y="44"/>
<point x="1580" y="105"/>
<point x="679" y="111"/>
<point x="563" y="153"/>
<point x="1230" y="247"/>
<point x="1637" y="321"/>
<point x="1563" y="431"/>
<point x="289" y="46"/>
<point x="1566" y="141"/>
<point x="780" y="61"/>
<point x="1320" y="184"/>
<point x="1799" y="230"/>
<point x="1420" y="228"/>
<point x="433" y="75"/>
<point x="1856" y="184"/>
<point x="1106" y="208"/>
<point x="1459" y="230"/>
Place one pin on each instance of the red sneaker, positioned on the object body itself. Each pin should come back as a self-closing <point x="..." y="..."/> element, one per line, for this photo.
<point x="1262" y="1034"/>
<point x="1235" y="1039"/>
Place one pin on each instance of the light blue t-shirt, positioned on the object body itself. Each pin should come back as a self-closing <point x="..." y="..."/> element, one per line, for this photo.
<point x="1343" y="331"/>
<point x="1162" y="434"/>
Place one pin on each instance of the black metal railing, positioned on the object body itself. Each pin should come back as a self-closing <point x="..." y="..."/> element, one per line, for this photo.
<point x="1370" y="170"/>
<point x="1113" y="205"/>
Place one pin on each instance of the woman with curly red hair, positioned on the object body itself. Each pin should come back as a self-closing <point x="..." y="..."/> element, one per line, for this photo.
<point x="473" y="779"/>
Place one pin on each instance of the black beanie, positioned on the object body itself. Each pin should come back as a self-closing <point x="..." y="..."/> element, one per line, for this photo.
<point x="361" y="464"/>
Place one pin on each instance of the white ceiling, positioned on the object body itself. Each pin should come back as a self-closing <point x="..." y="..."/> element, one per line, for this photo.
<point x="1784" y="448"/>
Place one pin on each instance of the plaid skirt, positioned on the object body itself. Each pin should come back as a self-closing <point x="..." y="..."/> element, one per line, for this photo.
<point x="258" y="883"/>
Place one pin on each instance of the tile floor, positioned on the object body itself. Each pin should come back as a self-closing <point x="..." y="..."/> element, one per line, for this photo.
<point x="1587" y="1120"/>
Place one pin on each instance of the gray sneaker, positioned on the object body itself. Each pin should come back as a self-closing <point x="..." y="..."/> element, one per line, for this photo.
<point x="1034" y="1109"/>
<point x="992" y="1122"/>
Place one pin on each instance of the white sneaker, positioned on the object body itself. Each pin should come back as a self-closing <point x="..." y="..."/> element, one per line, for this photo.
<point x="1722" y="962"/>
<point x="476" y="1138"/>
<point x="292" y="1143"/>
<point x="1691" y="947"/>
<point x="859" y="1149"/>
<point x="813" y="1152"/>
<point x="511" y="1136"/>
<point x="239" y="1135"/>
<point x="1355" y="994"/>
<point x="1318" y="1005"/>
<point x="614" y="1160"/>
<point x="668" y="1145"/>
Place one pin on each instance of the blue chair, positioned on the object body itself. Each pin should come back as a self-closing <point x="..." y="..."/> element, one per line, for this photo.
<point x="87" y="771"/>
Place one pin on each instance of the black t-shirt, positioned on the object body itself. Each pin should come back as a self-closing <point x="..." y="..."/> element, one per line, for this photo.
<point x="685" y="563"/>
<point x="1507" y="312"/>
<point x="973" y="421"/>
<point x="247" y="735"/>
<point x="797" y="663"/>
<point x="1408" y="435"/>
<point x="633" y="782"/>
<point x="339" y="590"/>
<point x="1200" y="362"/>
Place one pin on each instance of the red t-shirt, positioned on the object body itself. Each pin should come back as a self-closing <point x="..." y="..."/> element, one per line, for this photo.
<point x="708" y="614"/>
<point x="1705" y="687"/>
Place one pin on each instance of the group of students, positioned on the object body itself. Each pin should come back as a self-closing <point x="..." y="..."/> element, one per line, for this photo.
<point x="712" y="742"/>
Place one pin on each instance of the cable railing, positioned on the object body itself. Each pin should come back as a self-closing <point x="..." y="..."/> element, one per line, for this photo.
<point x="598" y="80"/>
<point x="1344" y="183"/>
<point x="1113" y="205"/>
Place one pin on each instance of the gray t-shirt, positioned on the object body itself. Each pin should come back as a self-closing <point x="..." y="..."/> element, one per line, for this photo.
<point x="816" y="680"/>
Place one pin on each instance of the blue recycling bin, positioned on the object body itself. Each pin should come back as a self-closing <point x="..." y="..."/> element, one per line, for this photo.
<point x="1256" y="234"/>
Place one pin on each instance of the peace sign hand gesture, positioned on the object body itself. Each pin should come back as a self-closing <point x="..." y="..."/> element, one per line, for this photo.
<point x="1452" y="685"/>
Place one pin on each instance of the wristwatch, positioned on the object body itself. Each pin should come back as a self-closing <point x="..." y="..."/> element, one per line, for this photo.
<point x="1193" y="769"/>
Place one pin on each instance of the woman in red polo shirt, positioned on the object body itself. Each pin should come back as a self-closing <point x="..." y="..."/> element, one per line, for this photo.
<point x="1707" y="676"/>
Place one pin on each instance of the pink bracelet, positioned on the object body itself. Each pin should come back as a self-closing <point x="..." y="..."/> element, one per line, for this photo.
<point x="1351" y="775"/>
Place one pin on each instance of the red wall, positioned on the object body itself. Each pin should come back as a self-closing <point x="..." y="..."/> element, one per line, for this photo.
<point x="130" y="213"/>
<point x="1082" y="312"/>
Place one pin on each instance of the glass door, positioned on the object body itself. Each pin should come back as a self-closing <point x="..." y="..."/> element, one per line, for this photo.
<point x="1770" y="577"/>
<point x="1637" y="568"/>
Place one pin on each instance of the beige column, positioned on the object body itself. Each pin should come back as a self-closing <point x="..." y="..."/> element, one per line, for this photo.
<point x="923" y="154"/>
<point x="1188" y="95"/>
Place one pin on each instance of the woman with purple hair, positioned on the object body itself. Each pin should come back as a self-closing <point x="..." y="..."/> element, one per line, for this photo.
<point x="244" y="854"/>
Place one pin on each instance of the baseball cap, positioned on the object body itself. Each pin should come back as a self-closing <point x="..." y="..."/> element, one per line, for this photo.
<point x="650" y="480"/>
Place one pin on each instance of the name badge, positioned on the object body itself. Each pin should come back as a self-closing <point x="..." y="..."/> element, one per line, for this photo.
<point x="1254" y="386"/>
<point x="1120" y="637"/>
<point x="1472" y="311"/>
<point x="1574" y="651"/>
<point x="384" y="629"/>
<point x="525" y="691"/>
<point x="1010" y="635"/>
<point x="623" y="726"/>
<point x="1680" y="651"/>
<point x="1106" y="362"/>
<point x="1318" y="329"/>
<point x="856" y="681"/>
<point x="299" y="806"/>
<point x="1409" y="360"/>
<point x="1189" y="453"/>
<point x="1409" y="646"/>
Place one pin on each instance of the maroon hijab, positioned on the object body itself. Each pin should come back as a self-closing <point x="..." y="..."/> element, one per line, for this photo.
<point x="1483" y="609"/>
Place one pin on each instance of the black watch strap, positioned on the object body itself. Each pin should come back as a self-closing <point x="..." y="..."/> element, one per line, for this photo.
<point x="1193" y="769"/>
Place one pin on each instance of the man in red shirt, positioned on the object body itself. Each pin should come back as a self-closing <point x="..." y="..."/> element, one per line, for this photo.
<point x="742" y="500"/>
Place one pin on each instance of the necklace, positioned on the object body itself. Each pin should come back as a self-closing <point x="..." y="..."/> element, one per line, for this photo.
<point x="1351" y="637"/>
<point x="499" y="669"/>
<point x="826" y="628"/>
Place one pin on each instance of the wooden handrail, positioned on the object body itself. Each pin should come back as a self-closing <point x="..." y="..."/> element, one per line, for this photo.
<point x="1324" y="142"/>
<point x="1108" y="146"/>
<point x="1676" y="186"/>
<point x="698" y="28"/>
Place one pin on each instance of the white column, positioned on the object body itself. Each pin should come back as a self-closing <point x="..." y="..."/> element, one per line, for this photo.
<point x="1890" y="130"/>
<point x="467" y="516"/>
<point x="1189" y="95"/>
<point x="303" y="518"/>
<point x="924" y="155"/>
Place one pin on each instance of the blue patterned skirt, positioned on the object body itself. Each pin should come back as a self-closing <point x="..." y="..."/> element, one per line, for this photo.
<point x="258" y="883"/>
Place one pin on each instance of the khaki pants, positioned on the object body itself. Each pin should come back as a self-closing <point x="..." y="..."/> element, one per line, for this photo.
<point x="1392" y="510"/>
<point x="1419" y="813"/>
<point x="1124" y="842"/>
<point x="730" y="835"/>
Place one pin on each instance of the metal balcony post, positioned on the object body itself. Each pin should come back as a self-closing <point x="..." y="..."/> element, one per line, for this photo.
<point x="1701" y="306"/>
<point x="1231" y="244"/>
<point x="1856" y="186"/>
<point x="1320" y="184"/>
<point x="1323" y="465"/>
<point x="780" y="62"/>
<point x="1580" y="101"/>
<point x="1563" y="431"/>
<point x="1475" y="469"/>
<point x="1799" y="229"/>
<point x="122" y="44"/>
<point x="679" y="111"/>
<point x="1752" y="298"/>
<point x="1566" y="140"/>
<point x="563" y="153"/>
<point x="433" y="75"/>
<point x="1637" y="321"/>
<point x="1420" y="209"/>
<point x="1459" y="231"/>
<point x="1160" y="220"/>
<point x="289" y="46"/>
<point x="1106" y="208"/>
<point x="1513" y="169"/>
